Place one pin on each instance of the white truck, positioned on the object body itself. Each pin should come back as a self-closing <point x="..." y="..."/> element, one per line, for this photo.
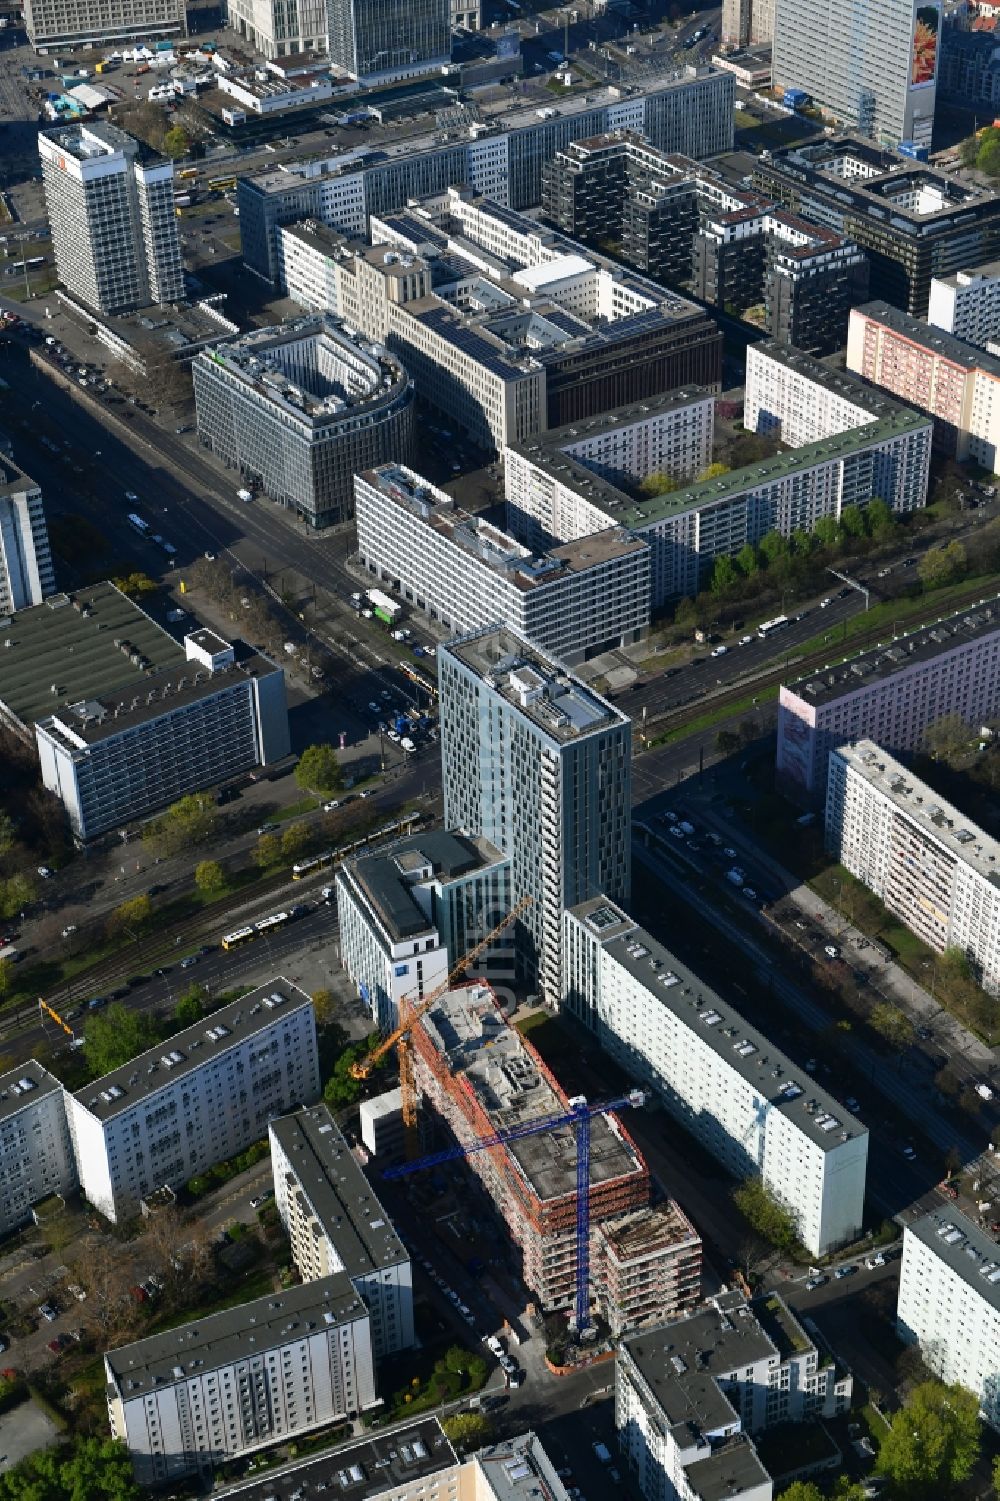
<point x="385" y="607"/>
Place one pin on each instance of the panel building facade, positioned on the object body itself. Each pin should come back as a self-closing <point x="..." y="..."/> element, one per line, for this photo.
<point x="890" y="693"/>
<point x="539" y="765"/>
<point x="66" y="24"/>
<point x="26" y="573"/>
<point x="36" y="1153"/>
<point x="299" y="409"/>
<point x="937" y="872"/>
<point x="174" y="1111"/>
<point x="967" y="304"/>
<point x="110" y="204"/>
<point x="743" y="1100"/>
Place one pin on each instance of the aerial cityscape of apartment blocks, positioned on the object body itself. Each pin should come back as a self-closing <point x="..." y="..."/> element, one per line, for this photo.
<point x="890" y="693"/>
<point x="206" y="1095"/>
<point x="967" y="304"/>
<point x="747" y="1104"/>
<point x="573" y="601"/>
<point x="36" y="1153"/>
<point x="538" y="764"/>
<point x="949" y="1303"/>
<point x="936" y="871"/>
<point x="407" y="914"/>
<point x="956" y="383"/>
<point x="691" y="113"/>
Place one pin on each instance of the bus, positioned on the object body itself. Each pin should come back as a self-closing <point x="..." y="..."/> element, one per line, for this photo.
<point x="142" y="527"/>
<point x="188" y="172"/>
<point x="769" y="627"/>
<point x="241" y="935"/>
<point x="222" y="184"/>
<point x="269" y="924"/>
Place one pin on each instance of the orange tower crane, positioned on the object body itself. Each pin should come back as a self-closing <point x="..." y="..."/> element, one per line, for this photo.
<point x="410" y="1014"/>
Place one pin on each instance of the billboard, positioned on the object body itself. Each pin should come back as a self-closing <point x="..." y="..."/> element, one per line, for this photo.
<point x="926" y="36"/>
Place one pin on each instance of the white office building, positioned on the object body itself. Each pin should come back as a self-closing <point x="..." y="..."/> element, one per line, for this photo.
<point x="725" y="1082"/>
<point x="194" y="1397"/>
<point x="26" y="574"/>
<point x="36" y="1154"/>
<point x="573" y="601"/>
<point x="111" y="208"/>
<point x="890" y="693"/>
<point x="949" y="1303"/>
<point x="408" y="914"/>
<point x="206" y="1095"/>
<point x="690" y="1395"/>
<point x="538" y="764"/>
<point x="937" y="872"/>
<point x="336" y="1224"/>
<point x="967" y="304"/>
<point x="276" y="30"/>
<point x="140" y="739"/>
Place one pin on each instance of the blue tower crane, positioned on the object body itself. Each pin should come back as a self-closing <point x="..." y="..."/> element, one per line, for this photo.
<point x="579" y="1115"/>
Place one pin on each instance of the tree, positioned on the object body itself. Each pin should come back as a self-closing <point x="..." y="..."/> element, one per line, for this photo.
<point x="803" y="542"/>
<point x="176" y="142"/>
<point x="948" y="739"/>
<point x="468" y="1430"/>
<point x="136" y="585"/>
<point x="685" y="614"/>
<point x="769" y="1218"/>
<point x="988" y="155"/>
<point x="116" y="1035"/>
<point x="746" y="560"/>
<point x="324" y="1006"/>
<point x="940" y="566"/>
<point x="267" y="851"/>
<point x="209" y="877"/>
<point x="852" y="521"/>
<point x="90" y="1469"/>
<point x="189" y="821"/>
<point x="802" y="1490"/>
<point x="891" y="1024"/>
<point x="933" y="1443"/>
<point x="658" y="484"/>
<point x="713" y="471"/>
<point x="8" y="833"/>
<point x="996" y="1474"/>
<point x="879" y="519"/>
<point x="727" y="741"/>
<point x="827" y="531"/>
<point x="191" y="1006"/>
<point x="131" y="916"/>
<point x="724" y="575"/>
<point x="319" y="770"/>
<point x="16" y="893"/>
<point x="294" y="840"/>
<point x="773" y="547"/>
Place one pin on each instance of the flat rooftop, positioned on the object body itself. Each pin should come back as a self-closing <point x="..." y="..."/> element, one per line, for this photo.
<point x="235" y="1334"/>
<point x="911" y="649"/>
<point x="784" y="1086"/>
<point x="969" y="1252"/>
<point x="476" y="1043"/>
<point x="539" y="688"/>
<point x="519" y="1469"/>
<point x="375" y="1466"/>
<point x="388" y="879"/>
<point x="68" y="642"/>
<point x="491" y="546"/>
<point x="13" y="480"/>
<point x="24" y="1086"/>
<point x="966" y="841"/>
<point x="161" y="1067"/>
<point x="987" y="269"/>
<point x="934" y="339"/>
<point x="341" y="1197"/>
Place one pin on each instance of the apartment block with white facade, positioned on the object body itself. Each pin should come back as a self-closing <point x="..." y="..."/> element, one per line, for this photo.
<point x="36" y="1153"/>
<point x="573" y="601"/>
<point x="539" y="764"/>
<point x="186" y="1401"/>
<point x="335" y="1223"/>
<point x="967" y="304"/>
<point x="724" y="1081"/>
<point x="936" y="871"/>
<point x="691" y="1394"/>
<point x="409" y="913"/>
<point x="26" y="573"/>
<point x="949" y="1303"/>
<point x="207" y="1094"/>
<point x="890" y="693"/>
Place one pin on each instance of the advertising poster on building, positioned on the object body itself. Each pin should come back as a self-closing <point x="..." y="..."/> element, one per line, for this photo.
<point x="926" y="34"/>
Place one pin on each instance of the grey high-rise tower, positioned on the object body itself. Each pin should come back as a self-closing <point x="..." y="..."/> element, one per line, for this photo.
<point x="870" y="63"/>
<point x="26" y="575"/>
<point x="539" y="765"/>
<point x="111" y="207"/>
<point x="388" y="39"/>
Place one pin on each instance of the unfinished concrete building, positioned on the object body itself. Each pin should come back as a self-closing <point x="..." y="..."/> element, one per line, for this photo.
<point x="480" y="1076"/>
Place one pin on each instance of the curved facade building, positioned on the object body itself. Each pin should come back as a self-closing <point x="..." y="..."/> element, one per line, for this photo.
<point x="297" y="410"/>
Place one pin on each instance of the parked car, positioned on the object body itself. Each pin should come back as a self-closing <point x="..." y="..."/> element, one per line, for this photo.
<point x="814" y="1282"/>
<point x="259" y="1200"/>
<point x="48" y="1312"/>
<point x="871" y="1262"/>
<point x="844" y="1271"/>
<point x="831" y="951"/>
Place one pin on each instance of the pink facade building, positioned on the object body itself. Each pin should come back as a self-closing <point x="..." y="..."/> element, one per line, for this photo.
<point x="890" y="694"/>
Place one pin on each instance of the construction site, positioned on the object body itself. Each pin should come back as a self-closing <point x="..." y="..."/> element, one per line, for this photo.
<point x="479" y="1077"/>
